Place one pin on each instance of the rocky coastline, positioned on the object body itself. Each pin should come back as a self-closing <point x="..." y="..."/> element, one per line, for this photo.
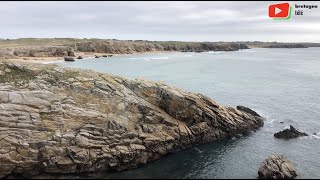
<point x="56" y="120"/>
<point x="69" y="48"/>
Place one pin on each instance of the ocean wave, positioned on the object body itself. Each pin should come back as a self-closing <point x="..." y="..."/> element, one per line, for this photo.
<point x="155" y="58"/>
<point x="214" y="52"/>
<point x="51" y="62"/>
<point x="269" y="119"/>
<point x="246" y="50"/>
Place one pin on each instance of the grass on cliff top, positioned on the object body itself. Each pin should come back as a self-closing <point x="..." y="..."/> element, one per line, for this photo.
<point x="16" y="75"/>
<point x="58" y="76"/>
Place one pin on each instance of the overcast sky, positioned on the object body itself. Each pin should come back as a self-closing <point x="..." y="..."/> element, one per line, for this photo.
<point x="185" y="21"/>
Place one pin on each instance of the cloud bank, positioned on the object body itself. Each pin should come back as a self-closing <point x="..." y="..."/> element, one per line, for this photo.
<point x="184" y="21"/>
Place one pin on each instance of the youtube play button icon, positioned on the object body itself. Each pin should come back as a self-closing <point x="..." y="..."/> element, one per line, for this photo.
<point x="279" y="10"/>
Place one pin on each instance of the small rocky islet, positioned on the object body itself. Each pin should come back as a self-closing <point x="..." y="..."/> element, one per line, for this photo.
<point x="289" y="133"/>
<point x="277" y="167"/>
<point x="57" y="120"/>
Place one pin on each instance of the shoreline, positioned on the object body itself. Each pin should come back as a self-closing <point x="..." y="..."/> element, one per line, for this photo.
<point x="49" y="60"/>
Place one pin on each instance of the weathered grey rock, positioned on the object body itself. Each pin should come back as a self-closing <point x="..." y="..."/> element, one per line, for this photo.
<point x="289" y="133"/>
<point x="277" y="167"/>
<point x="44" y="51"/>
<point x="59" y="120"/>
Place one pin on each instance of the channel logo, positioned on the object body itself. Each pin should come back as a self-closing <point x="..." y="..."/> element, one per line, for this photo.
<point x="280" y="11"/>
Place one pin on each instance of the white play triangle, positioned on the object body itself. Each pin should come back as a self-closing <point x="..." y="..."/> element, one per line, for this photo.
<point x="277" y="10"/>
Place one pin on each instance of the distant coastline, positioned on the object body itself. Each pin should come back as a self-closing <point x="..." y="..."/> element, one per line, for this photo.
<point x="54" y="49"/>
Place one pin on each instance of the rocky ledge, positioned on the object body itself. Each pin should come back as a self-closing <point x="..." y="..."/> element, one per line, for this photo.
<point x="289" y="133"/>
<point x="56" y="120"/>
<point x="277" y="167"/>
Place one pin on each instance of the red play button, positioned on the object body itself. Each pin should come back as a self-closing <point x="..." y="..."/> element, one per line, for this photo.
<point x="279" y="10"/>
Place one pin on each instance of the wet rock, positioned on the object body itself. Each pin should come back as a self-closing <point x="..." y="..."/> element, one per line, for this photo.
<point x="248" y="110"/>
<point x="96" y="56"/>
<point x="289" y="133"/>
<point x="80" y="57"/>
<point x="277" y="167"/>
<point x="69" y="59"/>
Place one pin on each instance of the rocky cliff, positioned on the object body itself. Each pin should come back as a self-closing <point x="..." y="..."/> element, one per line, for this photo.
<point x="56" y="120"/>
<point x="279" y="45"/>
<point x="67" y="48"/>
<point x="128" y="47"/>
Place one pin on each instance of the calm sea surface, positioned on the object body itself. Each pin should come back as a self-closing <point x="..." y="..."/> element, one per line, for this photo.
<point x="281" y="84"/>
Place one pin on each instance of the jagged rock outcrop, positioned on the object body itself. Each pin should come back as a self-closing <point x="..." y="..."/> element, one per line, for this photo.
<point x="290" y="133"/>
<point x="277" y="167"/>
<point x="49" y="51"/>
<point x="6" y="53"/>
<point x="56" y="120"/>
<point x="129" y="47"/>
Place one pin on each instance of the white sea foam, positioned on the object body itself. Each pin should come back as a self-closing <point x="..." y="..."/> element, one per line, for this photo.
<point x="155" y="58"/>
<point x="214" y="52"/>
<point x="198" y="150"/>
<point x="51" y="62"/>
<point x="160" y="57"/>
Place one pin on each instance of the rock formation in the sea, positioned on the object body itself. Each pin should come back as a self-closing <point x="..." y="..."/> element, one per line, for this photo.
<point x="56" y="120"/>
<point x="80" y="57"/>
<point x="69" y="58"/>
<point x="289" y="133"/>
<point x="277" y="167"/>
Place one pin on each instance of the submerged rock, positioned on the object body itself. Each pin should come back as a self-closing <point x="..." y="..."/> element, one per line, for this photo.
<point x="277" y="167"/>
<point x="289" y="133"/>
<point x="57" y="120"/>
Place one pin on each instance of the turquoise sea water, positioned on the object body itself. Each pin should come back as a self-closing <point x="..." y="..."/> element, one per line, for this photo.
<point x="281" y="84"/>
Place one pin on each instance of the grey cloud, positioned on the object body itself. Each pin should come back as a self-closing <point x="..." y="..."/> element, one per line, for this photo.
<point x="188" y="21"/>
